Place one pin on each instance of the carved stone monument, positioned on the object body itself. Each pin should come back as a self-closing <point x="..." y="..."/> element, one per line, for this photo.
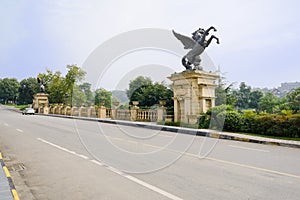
<point x="41" y="103"/>
<point x="194" y="89"/>
<point x="194" y="94"/>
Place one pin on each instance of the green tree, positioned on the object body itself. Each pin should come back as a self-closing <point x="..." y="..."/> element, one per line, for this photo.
<point x="78" y="98"/>
<point x="86" y="89"/>
<point x="254" y="99"/>
<point x="59" y="87"/>
<point x="102" y="95"/>
<point x="54" y="86"/>
<point x="293" y="100"/>
<point x="243" y="96"/>
<point x="147" y="93"/>
<point x="136" y="86"/>
<point x="9" y="89"/>
<point x="73" y="76"/>
<point x="268" y="102"/>
<point x="224" y="93"/>
<point x="28" y="87"/>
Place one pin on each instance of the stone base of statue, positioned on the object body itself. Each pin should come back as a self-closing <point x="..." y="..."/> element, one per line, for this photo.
<point x="194" y="94"/>
<point x="41" y="103"/>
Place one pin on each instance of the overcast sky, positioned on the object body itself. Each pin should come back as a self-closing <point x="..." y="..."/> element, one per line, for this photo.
<point x="260" y="39"/>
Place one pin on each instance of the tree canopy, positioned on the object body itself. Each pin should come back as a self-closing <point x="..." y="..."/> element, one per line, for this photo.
<point x="148" y="93"/>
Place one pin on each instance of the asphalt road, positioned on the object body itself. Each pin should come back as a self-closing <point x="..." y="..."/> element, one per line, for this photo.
<point x="73" y="159"/>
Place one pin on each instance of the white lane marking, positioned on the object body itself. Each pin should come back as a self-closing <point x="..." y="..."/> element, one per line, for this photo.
<point x="112" y="169"/>
<point x="247" y="148"/>
<point x="153" y="188"/>
<point x="83" y="156"/>
<point x="61" y="148"/>
<point x="21" y="131"/>
<point x="252" y="167"/>
<point x="96" y="162"/>
<point x="5" y="124"/>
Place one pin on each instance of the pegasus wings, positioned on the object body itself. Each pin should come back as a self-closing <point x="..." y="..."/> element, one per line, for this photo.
<point x="186" y="41"/>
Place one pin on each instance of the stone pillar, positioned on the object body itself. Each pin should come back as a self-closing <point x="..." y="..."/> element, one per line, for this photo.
<point x="68" y="110"/>
<point x="82" y="111"/>
<point x="113" y="113"/>
<point x="102" y="112"/>
<point x="161" y="113"/>
<point x="46" y="110"/>
<point x="133" y="113"/>
<point x="91" y="111"/>
<point x="114" y="109"/>
<point x="194" y="94"/>
<point x="74" y="111"/>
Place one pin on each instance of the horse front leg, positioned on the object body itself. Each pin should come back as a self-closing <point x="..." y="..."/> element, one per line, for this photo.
<point x="211" y="38"/>
<point x="211" y="28"/>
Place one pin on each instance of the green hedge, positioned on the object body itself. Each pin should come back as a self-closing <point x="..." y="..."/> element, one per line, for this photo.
<point x="227" y="119"/>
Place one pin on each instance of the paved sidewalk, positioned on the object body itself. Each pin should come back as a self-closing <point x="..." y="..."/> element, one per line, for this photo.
<point x="7" y="188"/>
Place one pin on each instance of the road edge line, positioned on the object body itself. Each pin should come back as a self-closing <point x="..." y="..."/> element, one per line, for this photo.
<point x="10" y="181"/>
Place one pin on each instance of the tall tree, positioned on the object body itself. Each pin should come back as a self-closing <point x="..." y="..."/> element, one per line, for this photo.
<point x="293" y="100"/>
<point x="224" y="93"/>
<point x="136" y="86"/>
<point x="102" y="95"/>
<point x="268" y="102"/>
<point x="86" y="89"/>
<point x="254" y="99"/>
<point x="28" y="87"/>
<point x="73" y="76"/>
<point x="243" y="96"/>
<point x="147" y="93"/>
<point x="9" y="89"/>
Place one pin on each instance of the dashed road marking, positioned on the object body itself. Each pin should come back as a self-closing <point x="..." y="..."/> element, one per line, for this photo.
<point x="19" y="130"/>
<point x="247" y="148"/>
<point x="5" y="124"/>
<point x="82" y="156"/>
<point x="112" y="169"/>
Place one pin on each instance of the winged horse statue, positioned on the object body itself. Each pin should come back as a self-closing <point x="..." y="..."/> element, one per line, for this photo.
<point x="197" y="43"/>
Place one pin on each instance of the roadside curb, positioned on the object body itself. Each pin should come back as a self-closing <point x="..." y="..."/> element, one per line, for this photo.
<point x="10" y="181"/>
<point x="190" y="131"/>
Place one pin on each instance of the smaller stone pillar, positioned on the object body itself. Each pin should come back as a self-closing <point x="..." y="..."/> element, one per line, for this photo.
<point x="114" y="109"/>
<point x="102" y="112"/>
<point x="82" y="111"/>
<point x="161" y="113"/>
<point x="68" y="110"/>
<point x="46" y="110"/>
<point x="91" y="111"/>
<point x="134" y="111"/>
<point x="74" y="111"/>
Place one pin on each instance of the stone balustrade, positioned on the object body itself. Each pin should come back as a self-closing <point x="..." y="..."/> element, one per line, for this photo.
<point x="133" y="114"/>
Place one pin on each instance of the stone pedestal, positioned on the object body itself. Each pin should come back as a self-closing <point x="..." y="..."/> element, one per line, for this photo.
<point x="40" y="101"/>
<point x="194" y="94"/>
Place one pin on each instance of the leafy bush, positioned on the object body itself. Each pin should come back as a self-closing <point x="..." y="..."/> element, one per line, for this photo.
<point x="285" y="124"/>
<point x="233" y="120"/>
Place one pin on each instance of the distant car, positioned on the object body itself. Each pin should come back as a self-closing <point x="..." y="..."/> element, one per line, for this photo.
<point x="28" y="111"/>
